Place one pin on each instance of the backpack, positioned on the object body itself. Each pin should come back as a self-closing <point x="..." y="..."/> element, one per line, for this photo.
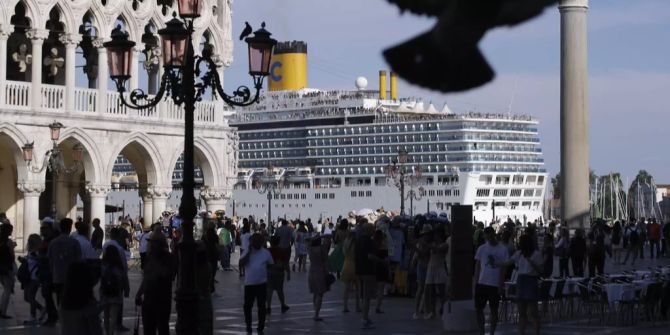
<point x="6" y="260"/>
<point x="24" y="273"/>
<point x="110" y="282"/>
<point x="634" y="237"/>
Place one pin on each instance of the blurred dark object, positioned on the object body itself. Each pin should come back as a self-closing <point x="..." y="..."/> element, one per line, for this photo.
<point x="447" y="58"/>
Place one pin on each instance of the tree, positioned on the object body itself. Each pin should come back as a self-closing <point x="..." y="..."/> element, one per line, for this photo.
<point x="556" y="186"/>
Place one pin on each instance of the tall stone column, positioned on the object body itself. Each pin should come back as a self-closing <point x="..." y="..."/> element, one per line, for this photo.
<point x="135" y="66"/>
<point x="159" y="195"/>
<point x="574" y="114"/>
<point x="71" y="41"/>
<point x="215" y="199"/>
<point x="31" y="208"/>
<point x="3" y="64"/>
<point x="148" y="208"/>
<point x="103" y="75"/>
<point x="98" y="196"/>
<point x="37" y="36"/>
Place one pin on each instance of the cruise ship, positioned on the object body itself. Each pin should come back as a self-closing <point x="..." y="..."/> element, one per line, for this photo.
<point x="327" y="153"/>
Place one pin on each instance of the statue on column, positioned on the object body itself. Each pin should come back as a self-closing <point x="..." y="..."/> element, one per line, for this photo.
<point x="54" y="62"/>
<point x="22" y="60"/>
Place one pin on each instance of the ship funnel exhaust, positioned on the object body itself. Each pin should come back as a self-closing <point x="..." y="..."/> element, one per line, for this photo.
<point x="382" y="85"/>
<point x="394" y="86"/>
<point x="288" y="71"/>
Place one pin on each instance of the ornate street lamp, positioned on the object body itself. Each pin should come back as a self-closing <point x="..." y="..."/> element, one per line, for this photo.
<point x="397" y="174"/>
<point x="53" y="160"/>
<point x="185" y="82"/>
<point x="270" y="185"/>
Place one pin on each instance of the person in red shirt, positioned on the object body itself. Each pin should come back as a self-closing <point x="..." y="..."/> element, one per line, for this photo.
<point x="654" y="231"/>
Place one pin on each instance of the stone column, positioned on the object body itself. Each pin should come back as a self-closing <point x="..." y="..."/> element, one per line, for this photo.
<point x="37" y="37"/>
<point x="3" y="64"/>
<point x="31" y="208"/>
<point x="98" y="196"/>
<point x="71" y="41"/>
<point x="574" y="114"/>
<point x="135" y="67"/>
<point x="148" y="208"/>
<point x="103" y="75"/>
<point x="215" y="199"/>
<point x="159" y="195"/>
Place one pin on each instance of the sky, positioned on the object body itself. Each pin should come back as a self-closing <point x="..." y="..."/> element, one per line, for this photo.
<point x="629" y="69"/>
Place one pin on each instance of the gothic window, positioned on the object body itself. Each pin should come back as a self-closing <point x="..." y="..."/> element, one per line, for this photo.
<point x="53" y="50"/>
<point x="152" y="56"/>
<point x="19" y="48"/>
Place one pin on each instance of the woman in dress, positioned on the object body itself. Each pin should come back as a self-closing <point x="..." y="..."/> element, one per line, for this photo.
<point x="318" y="273"/>
<point x="348" y="276"/>
<point x="114" y="282"/>
<point x="336" y="258"/>
<point x="436" y="274"/>
<point x="301" y="237"/>
<point x="529" y="268"/>
<point x="155" y="291"/>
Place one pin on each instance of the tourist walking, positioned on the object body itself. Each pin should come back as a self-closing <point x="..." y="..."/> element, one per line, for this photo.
<point x="63" y="251"/>
<point x="97" y="236"/>
<point x="155" y="291"/>
<point x="256" y="260"/>
<point x="633" y="238"/>
<point x="79" y="311"/>
<point x="383" y="269"/>
<point x="436" y="274"/>
<point x="317" y="277"/>
<point x="225" y="241"/>
<point x="276" y="274"/>
<point x="420" y="261"/>
<point x="114" y="286"/>
<point x="7" y="267"/>
<point x="286" y="238"/>
<point x="117" y="241"/>
<point x="144" y="245"/>
<point x="654" y="233"/>
<point x="211" y="243"/>
<point x="489" y="277"/>
<point x="529" y="264"/>
<point x="562" y="252"/>
<point x="245" y="236"/>
<point x="547" y="256"/>
<point x="44" y="274"/>
<point x="348" y="276"/>
<point x="301" y="237"/>
<point x="204" y="284"/>
<point x="577" y="252"/>
<point x="366" y="262"/>
<point x="31" y="282"/>
<point x="617" y="241"/>
<point x="597" y="250"/>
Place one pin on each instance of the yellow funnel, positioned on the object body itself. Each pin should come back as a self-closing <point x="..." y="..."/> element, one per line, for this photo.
<point x="288" y="71"/>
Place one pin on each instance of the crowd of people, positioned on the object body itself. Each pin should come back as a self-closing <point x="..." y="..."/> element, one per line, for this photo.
<point x="83" y="274"/>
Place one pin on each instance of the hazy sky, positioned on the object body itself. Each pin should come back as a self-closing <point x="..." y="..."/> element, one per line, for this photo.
<point x="629" y="68"/>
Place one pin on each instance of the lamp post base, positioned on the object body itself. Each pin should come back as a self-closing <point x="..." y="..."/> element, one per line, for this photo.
<point x="187" y="296"/>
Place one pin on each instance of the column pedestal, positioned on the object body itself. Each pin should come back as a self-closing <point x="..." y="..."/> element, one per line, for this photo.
<point x="31" y="208"/>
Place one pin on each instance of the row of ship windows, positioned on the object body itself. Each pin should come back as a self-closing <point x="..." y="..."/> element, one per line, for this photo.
<point x="287" y="163"/>
<point x="516" y="180"/>
<point x="515" y="192"/>
<point x="510" y="204"/>
<point x="422" y="138"/>
<point x="245" y="205"/>
<point x="418" y="127"/>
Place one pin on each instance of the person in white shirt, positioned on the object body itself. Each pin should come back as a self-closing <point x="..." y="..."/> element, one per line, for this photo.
<point x="144" y="245"/>
<point x="256" y="260"/>
<point x="489" y="276"/>
<point x="528" y="262"/>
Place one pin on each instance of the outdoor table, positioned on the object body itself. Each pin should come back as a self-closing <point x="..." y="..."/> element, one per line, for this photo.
<point x="619" y="292"/>
<point x="641" y="274"/>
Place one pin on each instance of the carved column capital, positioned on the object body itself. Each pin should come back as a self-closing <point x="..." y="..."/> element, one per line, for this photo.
<point x="98" y="190"/>
<point x="31" y="188"/>
<point x="159" y="191"/>
<point x="37" y="34"/>
<point x="97" y="43"/>
<point x="70" y="39"/>
<point x="210" y="193"/>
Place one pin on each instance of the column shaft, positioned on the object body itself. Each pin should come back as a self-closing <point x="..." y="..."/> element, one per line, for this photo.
<point x="31" y="208"/>
<point x="574" y="114"/>
<point x="159" y="205"/>
<point x="135" y="70"/>
<point x="148" y="210"/>
<point x="103" y="76"/>
<point x="70" y="84"/>
<point x="3" y="65"/>
<point x="37" y="39"/>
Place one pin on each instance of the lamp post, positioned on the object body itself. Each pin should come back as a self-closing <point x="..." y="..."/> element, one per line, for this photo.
<point x="53" y="160"/>
<point x="185" y="82"/>
<point x="414" y="195"/>
<point x="398" y="174"/>
<point x="270" y="185"/>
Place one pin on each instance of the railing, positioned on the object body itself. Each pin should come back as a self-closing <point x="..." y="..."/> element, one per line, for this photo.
<point x="85" y="100"/>
<point x="17" y="94"/>
<point x="205" y="111"/>
<point x="53" y="97"/>
<point x="114" y="105"/>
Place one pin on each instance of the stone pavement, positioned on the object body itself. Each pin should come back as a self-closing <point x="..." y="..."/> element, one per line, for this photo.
<point x="229" y="318"/>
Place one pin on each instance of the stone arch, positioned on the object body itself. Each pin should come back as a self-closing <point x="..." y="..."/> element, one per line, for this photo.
<point x="18" y="139"/>
<point x="66" y="18"/>
<point x="32" y="12"/>
<point x="206" y="159"/>
<point x="143" y="153"/>
<point x="129" y="26"/>
<point x="92" y="160"/>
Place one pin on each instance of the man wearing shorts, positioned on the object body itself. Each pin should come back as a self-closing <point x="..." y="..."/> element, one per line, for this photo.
<point x="489" y="276"/>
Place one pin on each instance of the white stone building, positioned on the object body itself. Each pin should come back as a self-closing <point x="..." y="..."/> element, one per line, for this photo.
<point x="53" y="67"/>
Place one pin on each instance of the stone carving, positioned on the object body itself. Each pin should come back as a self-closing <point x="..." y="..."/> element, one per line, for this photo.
<point x="31" y="188"/>
<point x="153" y="55"/>
<point x="54" y="62"/>
<point x="209" y="193"/>
<point x="159" y="191"/>
<point x="98" y="190"/>
<point x="22" y="58"/>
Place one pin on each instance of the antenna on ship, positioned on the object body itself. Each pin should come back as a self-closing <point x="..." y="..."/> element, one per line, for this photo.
<point x="511" y="100"/>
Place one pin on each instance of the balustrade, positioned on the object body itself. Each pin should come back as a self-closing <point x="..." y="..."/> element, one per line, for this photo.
<point x="53" y="97"/>
<point x="17" y="94"/>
